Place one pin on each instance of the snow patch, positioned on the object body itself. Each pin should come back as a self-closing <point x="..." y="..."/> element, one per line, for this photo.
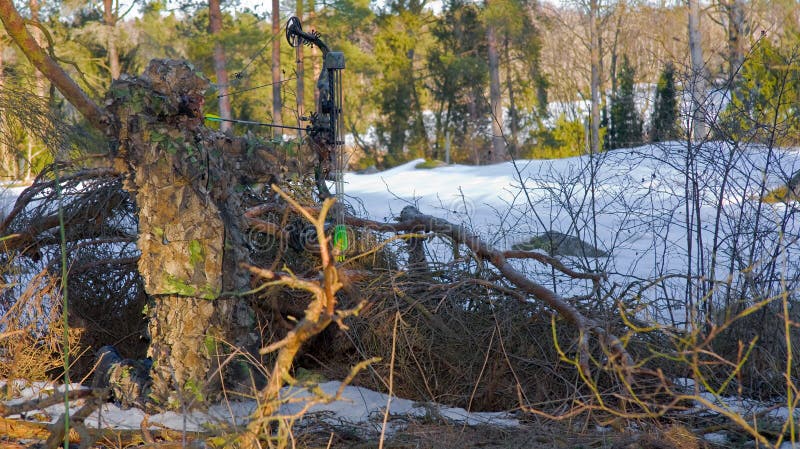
<point x="357" y="406"/>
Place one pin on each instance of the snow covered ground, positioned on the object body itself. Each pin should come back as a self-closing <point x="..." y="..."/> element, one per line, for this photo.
<point x="357" y="407"/>
<point x="640" y="207"/>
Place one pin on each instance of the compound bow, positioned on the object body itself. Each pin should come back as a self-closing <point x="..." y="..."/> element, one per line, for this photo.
<point x="327" y="126"/>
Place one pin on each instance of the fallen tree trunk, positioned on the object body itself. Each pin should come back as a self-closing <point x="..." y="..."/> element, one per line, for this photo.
<point x="412" y="220"/>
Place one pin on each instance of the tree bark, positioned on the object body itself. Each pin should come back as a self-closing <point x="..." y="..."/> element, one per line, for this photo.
<point x="215" y="28"/>
<point x="15" y="27"/>
<point x="594" y="57"/>
<point x="513" y="114"/>
<point x="498" y="143"/>
<point x="301" y="69"/>
<point x="276" y="64"/>
<point x="737" y="30"/>
<point x="7" y="157"/>
<point x="110" y="22"/>
<point x="698" y="75"/>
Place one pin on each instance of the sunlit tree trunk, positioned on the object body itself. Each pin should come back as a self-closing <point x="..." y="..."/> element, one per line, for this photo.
<point x="498" y="144"/>
<point x="698" y="75"/>
<point x="40" y="86"/>
<point x="301" y="70"/>
<point x="35" y="7"/>
<point x="110" y="22"/>
<point x="215" y="28"/>
<point x="314" y="59"/>
<point x="276" y="63"/>
<point x="421" y="135"/>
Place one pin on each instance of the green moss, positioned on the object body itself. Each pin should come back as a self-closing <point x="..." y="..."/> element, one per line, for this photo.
<point x="196" y="252"/>
<point x="211" y="344"/>
<point x="536" y="242"/>
<point x="181" y="287"/>
<point x="193" y="388"/>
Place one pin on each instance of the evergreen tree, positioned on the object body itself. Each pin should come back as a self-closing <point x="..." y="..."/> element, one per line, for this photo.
<point x="763" y="106"/>
<point x="665" y="111"/>
<point x="458" y="75"/>
<point x="400" y="46"/>
<point x="625" y="127"/>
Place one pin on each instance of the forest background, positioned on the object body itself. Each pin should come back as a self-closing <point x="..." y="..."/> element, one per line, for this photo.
<point x="424" y="79"/>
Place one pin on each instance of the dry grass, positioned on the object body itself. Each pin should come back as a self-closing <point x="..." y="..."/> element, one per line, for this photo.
<point x="32" y="345"/>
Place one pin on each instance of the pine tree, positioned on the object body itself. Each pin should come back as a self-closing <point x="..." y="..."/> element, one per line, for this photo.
<point x="625" y="125"/>
<point x="665" y="110"/>
<point x="763" y="106"/>
<point x="457" y="64"/>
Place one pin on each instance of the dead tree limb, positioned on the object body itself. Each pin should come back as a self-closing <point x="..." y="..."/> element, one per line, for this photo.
<point x="36" y="404"/>
<point x="412" y="220"/>
<point x="555" y="263"/>
<point x="421" y="222"/>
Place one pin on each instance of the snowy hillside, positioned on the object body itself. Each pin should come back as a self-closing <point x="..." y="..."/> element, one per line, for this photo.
<point x="638" y="210"/>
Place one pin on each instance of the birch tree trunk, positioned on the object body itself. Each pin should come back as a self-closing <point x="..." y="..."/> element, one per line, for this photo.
<point x="215" y="28"/>
<point x="698" y="75"/>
